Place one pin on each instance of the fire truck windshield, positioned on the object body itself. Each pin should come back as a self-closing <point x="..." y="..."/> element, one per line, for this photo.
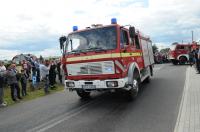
<point x="92" y="40"/>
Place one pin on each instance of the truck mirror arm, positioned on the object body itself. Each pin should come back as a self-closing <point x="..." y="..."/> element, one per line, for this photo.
<point x="62" y="40"/>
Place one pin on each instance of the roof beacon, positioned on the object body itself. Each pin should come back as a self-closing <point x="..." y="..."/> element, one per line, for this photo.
<point x="75" y="28"/>
<point x="113" y="21"/>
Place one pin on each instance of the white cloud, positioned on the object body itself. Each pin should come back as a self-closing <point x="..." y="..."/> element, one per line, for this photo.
<point x="48" y="53"/>
<point x="8" y="54"/>
<point x="165" y="21"/>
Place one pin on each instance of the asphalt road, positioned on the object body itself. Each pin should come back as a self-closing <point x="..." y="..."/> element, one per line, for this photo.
<point x="155" y="109"/>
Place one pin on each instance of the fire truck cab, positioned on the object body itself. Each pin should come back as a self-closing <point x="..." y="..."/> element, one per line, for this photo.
<point x="110" y="57"/>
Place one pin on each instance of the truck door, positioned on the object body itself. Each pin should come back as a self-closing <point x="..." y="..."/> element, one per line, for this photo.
<point x="138" y="50"/>
<point x="131" y="51"/>
<point x="126" y="47"/>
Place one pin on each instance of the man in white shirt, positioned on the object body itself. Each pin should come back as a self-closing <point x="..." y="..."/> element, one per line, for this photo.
<point x="44" y="72"/>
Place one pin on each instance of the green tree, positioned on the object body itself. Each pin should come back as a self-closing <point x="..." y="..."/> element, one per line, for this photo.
<point x="155" y="48"/>
<point x="41" y="58"/>
<point x="165" y="50"/>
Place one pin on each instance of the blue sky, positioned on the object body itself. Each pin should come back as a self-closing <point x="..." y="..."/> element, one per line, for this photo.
<point x="34" y="26"/>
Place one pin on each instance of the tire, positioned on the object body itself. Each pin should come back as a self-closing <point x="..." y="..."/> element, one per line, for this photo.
<point x="133" y="92"/>
<point x="83" y="94"/>
<point x="175" y="62"/>
<point x="182" y="60"/>
<point x="148" y="79"/>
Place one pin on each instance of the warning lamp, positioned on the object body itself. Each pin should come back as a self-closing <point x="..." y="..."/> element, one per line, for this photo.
<point x="113" y="21"/>
<point x="75" y="28"/>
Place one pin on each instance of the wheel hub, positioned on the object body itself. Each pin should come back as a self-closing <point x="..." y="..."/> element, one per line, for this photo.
<point x="135" y="85"/>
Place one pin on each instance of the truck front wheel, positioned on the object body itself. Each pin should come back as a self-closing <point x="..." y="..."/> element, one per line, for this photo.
<point x="83" y="94"/>
<point x="182" y="60"/>
<point x="133" y="92"/>
<point x="175" y="62"/>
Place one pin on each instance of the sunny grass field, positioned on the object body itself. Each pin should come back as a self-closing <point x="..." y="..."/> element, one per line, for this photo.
<point x="39" y="92"/>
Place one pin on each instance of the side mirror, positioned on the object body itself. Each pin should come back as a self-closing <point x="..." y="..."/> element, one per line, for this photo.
<point x="62" y="40"/>
<point x="132" y="32"/>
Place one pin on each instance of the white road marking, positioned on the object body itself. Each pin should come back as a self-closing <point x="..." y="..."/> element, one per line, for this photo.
<point x="50" y="124"/>
<point x="186" y="86"/>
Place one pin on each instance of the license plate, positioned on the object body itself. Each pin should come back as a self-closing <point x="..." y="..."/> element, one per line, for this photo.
<point x="89" y="86"/>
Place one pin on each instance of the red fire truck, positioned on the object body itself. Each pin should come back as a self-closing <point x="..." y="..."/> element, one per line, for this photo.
<point x="110" y="57"/>
<point x="178" y="53"/>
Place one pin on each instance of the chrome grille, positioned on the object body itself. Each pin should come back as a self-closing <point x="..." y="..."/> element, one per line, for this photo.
<point x="91" y="68"/>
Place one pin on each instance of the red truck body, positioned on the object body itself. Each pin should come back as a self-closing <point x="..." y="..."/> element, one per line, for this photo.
<point x="108" y="57"/>
<point x="178" y="53"/>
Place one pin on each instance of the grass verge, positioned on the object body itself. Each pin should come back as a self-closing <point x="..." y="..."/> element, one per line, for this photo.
<point x="32" y="94"/>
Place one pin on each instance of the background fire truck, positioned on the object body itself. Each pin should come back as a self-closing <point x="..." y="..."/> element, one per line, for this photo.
<point x="178" y="53"/>
<point x="106" y="58"/>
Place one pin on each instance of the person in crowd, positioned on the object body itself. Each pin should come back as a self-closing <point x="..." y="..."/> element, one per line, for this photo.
<point x="191" y="57"/>
<point x="23" y="81"/>
<point x="34" y="66"/>
<point x="18" y="69"/>
<point x="29" y="70"/>
<point x="198" y="56"/>
<point x="2" y="74"/>
<point x="197" y="60"/>
<point x="34" y="73"/>
<point x="37" y="66"/>
<point x="12" y="81"/>
<point x="25" y="67"/>
<point x="59" y="71"/>
<point x="44" y="72"/>
<point x="52" y="74"/>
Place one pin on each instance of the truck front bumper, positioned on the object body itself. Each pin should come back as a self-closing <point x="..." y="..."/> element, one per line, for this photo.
<point x="96" y="84"/>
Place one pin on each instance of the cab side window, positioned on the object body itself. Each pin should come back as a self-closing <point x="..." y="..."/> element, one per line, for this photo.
<point x="180" y="47"/>
<point x="123" y="38"/>
<point x="187" y="48"/>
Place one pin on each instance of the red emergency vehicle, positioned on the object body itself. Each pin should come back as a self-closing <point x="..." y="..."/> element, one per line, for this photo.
<point x="179" y="53"/>
<point x="110" y="57"/>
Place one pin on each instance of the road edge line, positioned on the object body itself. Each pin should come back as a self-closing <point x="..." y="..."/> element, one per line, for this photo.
<point x="186" y="85"/>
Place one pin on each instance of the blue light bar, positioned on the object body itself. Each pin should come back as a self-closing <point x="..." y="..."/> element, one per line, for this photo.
<point x="113" y="21"/>
<point x="75" y="28"/>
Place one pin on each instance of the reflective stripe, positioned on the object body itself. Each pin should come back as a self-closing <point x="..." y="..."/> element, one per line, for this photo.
<point x="91" y="57"/>
<point x="131" y="54"/>
<point x="103" y="56"/>
<point x="120" y="65"/>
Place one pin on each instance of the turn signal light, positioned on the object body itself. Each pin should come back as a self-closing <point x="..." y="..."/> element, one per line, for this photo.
<point x="70" y="84"/>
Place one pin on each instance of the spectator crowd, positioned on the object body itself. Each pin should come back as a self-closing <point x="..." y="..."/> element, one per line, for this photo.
<point x="194" y="59"/>
<point x="32" y="70"/>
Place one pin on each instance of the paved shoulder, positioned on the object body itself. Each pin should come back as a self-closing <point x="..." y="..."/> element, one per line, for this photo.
<point x="189" y="113"/>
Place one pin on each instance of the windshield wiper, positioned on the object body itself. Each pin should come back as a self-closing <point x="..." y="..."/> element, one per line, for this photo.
<point x="77" y="51"/>
<point x="96" y="49"/>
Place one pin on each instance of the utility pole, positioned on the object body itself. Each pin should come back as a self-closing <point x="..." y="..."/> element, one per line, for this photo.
<point x="192" y="36"/>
